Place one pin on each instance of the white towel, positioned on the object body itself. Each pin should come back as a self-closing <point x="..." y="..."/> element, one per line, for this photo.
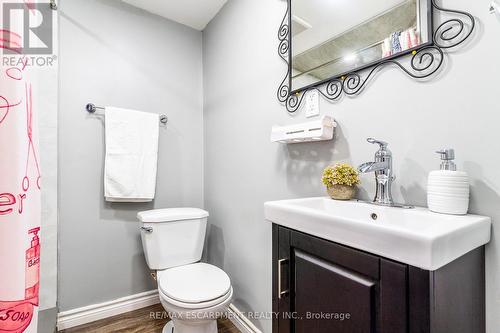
<point x="131" y="155"/>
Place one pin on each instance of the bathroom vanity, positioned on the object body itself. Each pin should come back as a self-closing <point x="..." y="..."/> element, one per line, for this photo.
<point x="355" y="267"/>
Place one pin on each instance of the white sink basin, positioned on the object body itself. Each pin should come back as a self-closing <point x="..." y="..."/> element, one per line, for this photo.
<point x="416" y="236"/>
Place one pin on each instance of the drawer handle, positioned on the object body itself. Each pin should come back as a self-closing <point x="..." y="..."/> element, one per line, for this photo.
<point x="284" y="292"/>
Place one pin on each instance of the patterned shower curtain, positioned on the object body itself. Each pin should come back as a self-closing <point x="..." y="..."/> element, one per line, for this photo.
<point x="20" y="182"/>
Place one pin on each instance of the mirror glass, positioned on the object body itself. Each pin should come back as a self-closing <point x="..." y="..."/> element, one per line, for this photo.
<point x="331" y="38"/>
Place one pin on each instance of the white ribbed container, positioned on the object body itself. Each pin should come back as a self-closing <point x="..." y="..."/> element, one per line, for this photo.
<point x="448" y="192"/>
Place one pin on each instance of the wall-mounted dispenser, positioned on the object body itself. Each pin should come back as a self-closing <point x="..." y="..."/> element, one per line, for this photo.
<point x="318" y="130"/>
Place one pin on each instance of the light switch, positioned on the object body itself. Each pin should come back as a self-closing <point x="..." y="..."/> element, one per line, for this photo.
<point x="312" y="103"/>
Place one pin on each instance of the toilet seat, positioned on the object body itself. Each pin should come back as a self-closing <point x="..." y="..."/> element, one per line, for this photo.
<point x="194" y="286"/>
<point x="197" y="306"/>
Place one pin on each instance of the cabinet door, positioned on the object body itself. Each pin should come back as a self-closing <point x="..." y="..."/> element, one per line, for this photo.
<point x="333" y="288"/>
<point x="331" y="298"/>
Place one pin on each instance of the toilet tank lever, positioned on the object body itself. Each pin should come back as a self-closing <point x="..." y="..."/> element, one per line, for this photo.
<point x="147" y="229"/>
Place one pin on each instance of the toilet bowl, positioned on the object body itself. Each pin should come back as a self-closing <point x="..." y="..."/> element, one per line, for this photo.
<point x="193" y="293"/>
<point x="194" y="296"/>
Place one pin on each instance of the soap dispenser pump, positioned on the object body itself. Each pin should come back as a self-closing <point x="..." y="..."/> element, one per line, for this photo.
<point x="447" y="159"/>
<point x="447" y="188"/>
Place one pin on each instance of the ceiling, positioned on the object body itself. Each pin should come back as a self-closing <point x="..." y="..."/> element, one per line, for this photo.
<point x="193" y="13"/>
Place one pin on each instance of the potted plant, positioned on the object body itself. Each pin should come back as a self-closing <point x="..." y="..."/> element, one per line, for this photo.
<point x="341" y="180"/>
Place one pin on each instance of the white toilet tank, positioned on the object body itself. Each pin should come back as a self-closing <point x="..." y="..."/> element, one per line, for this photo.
<point x="173" y="236"/>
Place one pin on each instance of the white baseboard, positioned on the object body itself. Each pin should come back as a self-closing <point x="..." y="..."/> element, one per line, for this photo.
<point x="240" y="321"/>
<point x="91" y="313"/>
<point x="88" y="314"/>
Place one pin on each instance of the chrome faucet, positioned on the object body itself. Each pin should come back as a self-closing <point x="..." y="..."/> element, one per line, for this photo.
<point x="382" y="166"/>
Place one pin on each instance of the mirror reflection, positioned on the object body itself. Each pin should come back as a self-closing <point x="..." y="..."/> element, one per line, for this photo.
<point x="331" y="38"/>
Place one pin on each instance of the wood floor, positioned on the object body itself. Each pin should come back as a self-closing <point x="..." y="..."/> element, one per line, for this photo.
<point x="147" y="320"/>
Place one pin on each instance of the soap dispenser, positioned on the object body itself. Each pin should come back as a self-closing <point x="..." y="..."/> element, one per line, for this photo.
<point x="447" y="188"/>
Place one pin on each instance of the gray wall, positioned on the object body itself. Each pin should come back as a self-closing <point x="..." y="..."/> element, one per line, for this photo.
<point x="243" y="169"/>
<point x="113" y="54"/>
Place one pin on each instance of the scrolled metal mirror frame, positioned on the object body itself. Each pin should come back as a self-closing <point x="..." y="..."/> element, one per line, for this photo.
<point x="424" y="62"/>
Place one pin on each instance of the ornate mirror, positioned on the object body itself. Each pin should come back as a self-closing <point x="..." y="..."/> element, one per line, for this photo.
<point x="335" y="46"/>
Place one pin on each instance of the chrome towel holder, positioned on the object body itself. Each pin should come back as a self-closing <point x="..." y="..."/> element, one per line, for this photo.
<point x="91" y="108"/>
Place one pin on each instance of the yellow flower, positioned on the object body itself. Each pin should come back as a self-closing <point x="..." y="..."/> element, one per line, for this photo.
<point x="340" y="174"/>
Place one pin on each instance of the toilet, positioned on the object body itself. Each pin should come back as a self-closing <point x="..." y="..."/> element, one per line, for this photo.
<point x="193" y="293"/>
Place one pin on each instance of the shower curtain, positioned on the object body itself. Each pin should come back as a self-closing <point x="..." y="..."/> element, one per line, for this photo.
<point x="20" y="183"/>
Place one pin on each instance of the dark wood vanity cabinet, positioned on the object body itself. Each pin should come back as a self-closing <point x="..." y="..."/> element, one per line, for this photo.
<point x="323" y="287"/>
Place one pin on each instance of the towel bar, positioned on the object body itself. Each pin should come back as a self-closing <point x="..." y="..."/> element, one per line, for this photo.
<point x="91" y="108"/>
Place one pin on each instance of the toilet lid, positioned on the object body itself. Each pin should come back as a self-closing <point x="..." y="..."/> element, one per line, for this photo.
<point x="195" y="283"/>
